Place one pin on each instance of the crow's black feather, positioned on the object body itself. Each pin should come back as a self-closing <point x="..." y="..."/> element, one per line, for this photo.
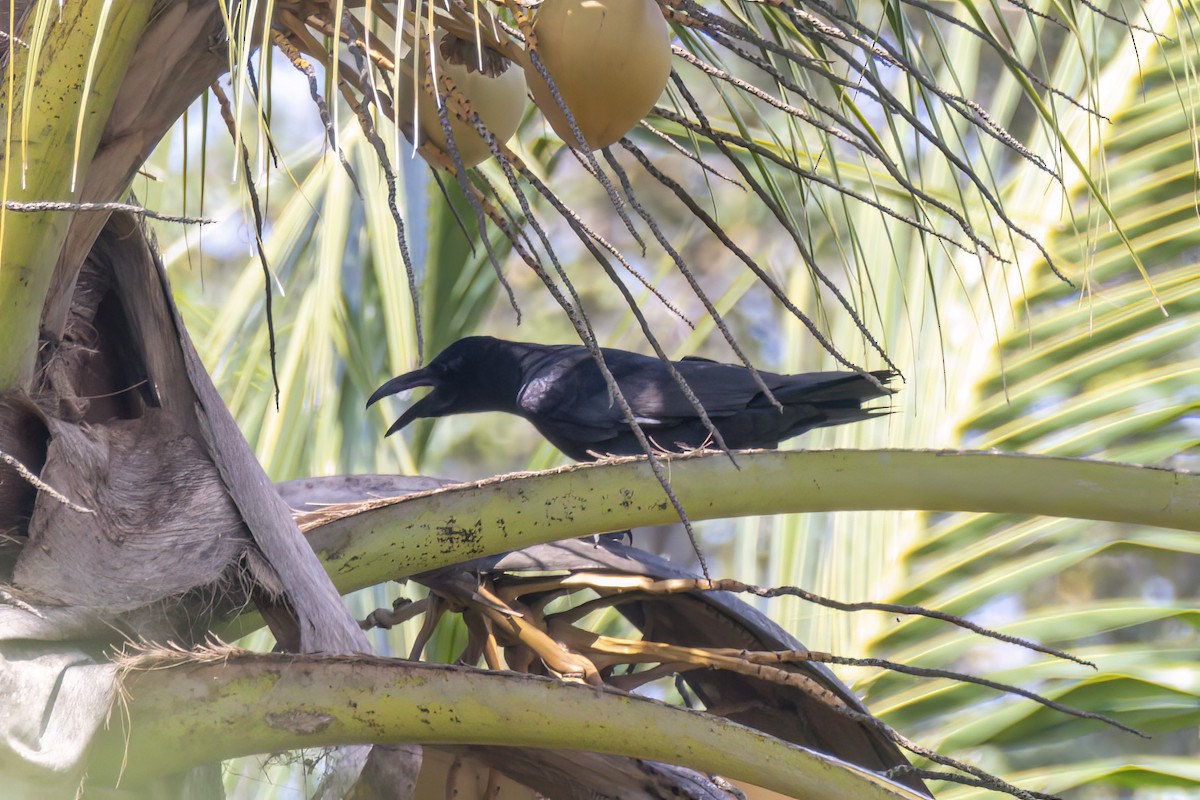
<point x="559" y="388"/>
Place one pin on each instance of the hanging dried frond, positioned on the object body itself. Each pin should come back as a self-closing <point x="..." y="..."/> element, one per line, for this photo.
<point x="536" y="611"/>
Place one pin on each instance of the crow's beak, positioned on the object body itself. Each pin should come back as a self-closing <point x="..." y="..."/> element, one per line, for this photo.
<point x="431" y="405"/>
<point x="402" y="383"/>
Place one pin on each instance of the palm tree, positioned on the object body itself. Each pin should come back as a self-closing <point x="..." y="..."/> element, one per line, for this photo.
<point x="910" y="310"/>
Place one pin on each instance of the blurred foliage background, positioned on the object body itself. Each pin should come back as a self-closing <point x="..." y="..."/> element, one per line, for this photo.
<point x="995" y="355"/>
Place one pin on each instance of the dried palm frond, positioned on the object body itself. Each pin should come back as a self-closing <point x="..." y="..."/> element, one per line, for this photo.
<point x="523" y="611"/>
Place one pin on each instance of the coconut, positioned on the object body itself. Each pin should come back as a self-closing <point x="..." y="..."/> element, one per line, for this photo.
<point x="497" y="94"/>
<point x="610" y="60"/>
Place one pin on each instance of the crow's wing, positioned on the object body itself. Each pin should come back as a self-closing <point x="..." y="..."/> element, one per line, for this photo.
<point x="565" y="389"/>
<point x="723" y="390"/>
<point x="564" y="395"/>
<point x="726" y="390"/>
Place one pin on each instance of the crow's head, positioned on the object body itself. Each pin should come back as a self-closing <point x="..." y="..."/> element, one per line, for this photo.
<point x="467" y="376"/>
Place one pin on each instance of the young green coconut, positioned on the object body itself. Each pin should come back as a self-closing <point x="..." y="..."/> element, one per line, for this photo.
<point x="492" y="85"/>
<point x="610" y="60"/>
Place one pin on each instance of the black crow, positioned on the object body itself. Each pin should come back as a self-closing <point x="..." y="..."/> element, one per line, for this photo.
<point x="559" y="388"/>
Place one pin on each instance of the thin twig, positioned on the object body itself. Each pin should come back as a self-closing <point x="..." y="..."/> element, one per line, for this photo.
<point x="298" y="61"/>
<point x="937" y="775"/>
<point x="41" y="485"/>
<point x="227" y="115"/>
<point x="402" y="610"/>
<point x="896" y="608"/>
<point x="770" y="99"/>
<point x="141" y="211"/>
<point x="690" y="156"/>
<point x="1162" y="37"/>
<point x="459" y="171"/>
<point x="368" y="128"/>
<point x="615" y="253"/>
<point x="928" y="672"/>
<point x="8" y="37"/>
<point x="985" y="778"/>
<point x="512" y="220"/>
<point x="9" y="599"/>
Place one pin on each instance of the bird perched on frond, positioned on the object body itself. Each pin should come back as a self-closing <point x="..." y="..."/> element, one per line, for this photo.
<point x="560" y="389"/>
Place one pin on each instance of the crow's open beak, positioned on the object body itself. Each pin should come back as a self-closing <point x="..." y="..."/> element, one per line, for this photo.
<point x="431" y="405"/>
<point x="402" y="383"/>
